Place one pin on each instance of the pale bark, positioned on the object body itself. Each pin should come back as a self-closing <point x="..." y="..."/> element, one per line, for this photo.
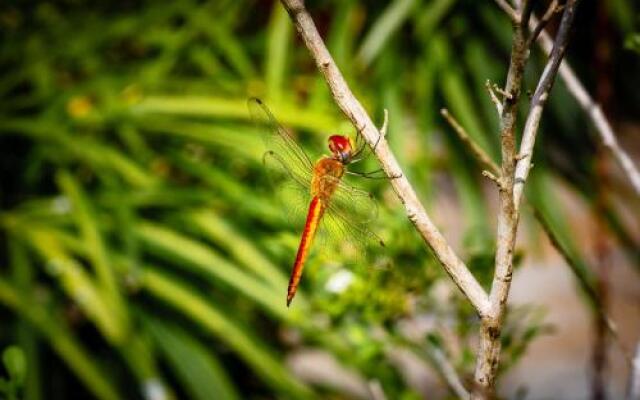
<point x="352" y="108"/>
<point x="595" y="114"/>
<point x="514" y="169"/>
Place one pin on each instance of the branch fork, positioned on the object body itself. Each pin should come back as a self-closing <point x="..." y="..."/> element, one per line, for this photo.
<point x="352" y="108"/>
<point x="510" y="176"/>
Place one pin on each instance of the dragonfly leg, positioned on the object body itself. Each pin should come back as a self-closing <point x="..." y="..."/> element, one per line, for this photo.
<point x="361" y="144"/>
<point x="372" y="174"/>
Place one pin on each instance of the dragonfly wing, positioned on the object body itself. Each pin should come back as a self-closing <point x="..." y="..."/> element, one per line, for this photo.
<point x="279" y="139"/>
<point x="287" y="165"/>
<point x="279" y="171"/>
<point x="349" y="216"/>
<point x="291" y="187"/>
<point x="354" y="204"/>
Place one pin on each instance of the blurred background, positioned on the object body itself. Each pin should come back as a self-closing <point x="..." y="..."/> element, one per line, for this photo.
<point x="146" y="255"/>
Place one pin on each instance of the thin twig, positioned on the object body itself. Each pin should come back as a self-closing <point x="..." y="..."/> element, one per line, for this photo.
<point x="583" y="282"/>
<point x="502" y="92"/>
<point x="540" y="25"/>
<point x="493" y="96"/>
<point x="514" y="171"/>
<point x="448" y="372"/>
<point x="506" y="7"/>
<point x="491" y="176"/>
<point x="539" y="99"/>
<point x="593" y="110"/>
<point x="633" y="391"/>
<point x="475" y="149"/>
<point x="376" y="391"/>
<point x="352" y="108"/>
<point x="483" y="159"/>
<point x="491" y="325"/>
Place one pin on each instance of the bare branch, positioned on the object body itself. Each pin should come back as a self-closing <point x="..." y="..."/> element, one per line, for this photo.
<point x="506" y="7"/>
<point x="583" y="282"/>
<point x="597" y="117"/>
<point x="489" y="175"/>
<point x="633" y="392"/>
<point x="489" y="348"/>
<point x="553" y="8"/>
<point x="514" y="171"/>
<point x="448" y="372"/>
<point x="375" y="390"/>
<point x="484" y="160"/>
<point x="475" y="149"/>
<point x="352" y="108"/>
<point x="493" y="96"/>
<point x="502" y="92"/>
<point x="539" y="99"/>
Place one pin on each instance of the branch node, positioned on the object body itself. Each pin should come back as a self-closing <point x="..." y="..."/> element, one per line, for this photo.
<point x="495" y="179"/>
<point x="494" y="98"/>
<point x="502" y="92"/>
<point x="521" y="156"/>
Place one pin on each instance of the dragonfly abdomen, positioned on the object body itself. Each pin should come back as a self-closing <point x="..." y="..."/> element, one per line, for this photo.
<point x="316" y="210"/>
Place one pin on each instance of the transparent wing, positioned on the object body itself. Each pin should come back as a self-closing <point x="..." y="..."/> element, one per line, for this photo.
<point x="348" y="220"/>
<point x="280" y="142"/>
<point x="355" y="204"/>
<point x="287" y="166"/>
<point x="291" y="188"/>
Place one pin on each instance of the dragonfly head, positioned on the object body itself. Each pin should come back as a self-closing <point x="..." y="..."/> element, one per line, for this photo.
<point x="340" y="147"/>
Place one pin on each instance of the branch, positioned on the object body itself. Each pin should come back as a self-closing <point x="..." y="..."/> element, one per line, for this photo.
<point x="583" y="282"/>
<point x="633" y="392"/>
<point x="595" y="114"/>
<point x="375" y="390"/>
<point x="546" y="17"/>
<point x="483" y="159"/>
<point x="514" y="171"/>
<point x="489" y="347"/>
<point x="477" y="151"/>
<point x="492" y="94"/>
<point x="352" y="108"/>
<point x="448" y="372"/>
<point x="506" y="7"/>
<point x="539" y="99"/>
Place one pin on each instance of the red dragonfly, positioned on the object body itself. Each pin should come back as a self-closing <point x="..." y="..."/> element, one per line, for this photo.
<point x="341" y="210"/>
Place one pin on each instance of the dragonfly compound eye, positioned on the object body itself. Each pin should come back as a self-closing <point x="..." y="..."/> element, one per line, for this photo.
<point x="339" y="144"/>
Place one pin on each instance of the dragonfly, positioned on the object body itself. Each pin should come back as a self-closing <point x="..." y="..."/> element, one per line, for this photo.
<point x="334" y="206"/>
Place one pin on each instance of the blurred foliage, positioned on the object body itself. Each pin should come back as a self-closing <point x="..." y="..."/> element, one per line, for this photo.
<point x="142" y="245"/>
<point x="15" y="365"/>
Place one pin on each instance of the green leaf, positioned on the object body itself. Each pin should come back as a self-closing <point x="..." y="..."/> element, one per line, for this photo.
<point x="188" y="252"/>
<point x="391" y="19"/>
<point x="185" y="299"/>
<point x="279" y="37"/>
<point x="15" y="363"/>
<point x="62" y="341"/>
<point x="196" y="367"/>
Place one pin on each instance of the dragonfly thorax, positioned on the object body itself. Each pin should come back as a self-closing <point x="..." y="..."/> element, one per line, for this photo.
<point x="326" y="177"/>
